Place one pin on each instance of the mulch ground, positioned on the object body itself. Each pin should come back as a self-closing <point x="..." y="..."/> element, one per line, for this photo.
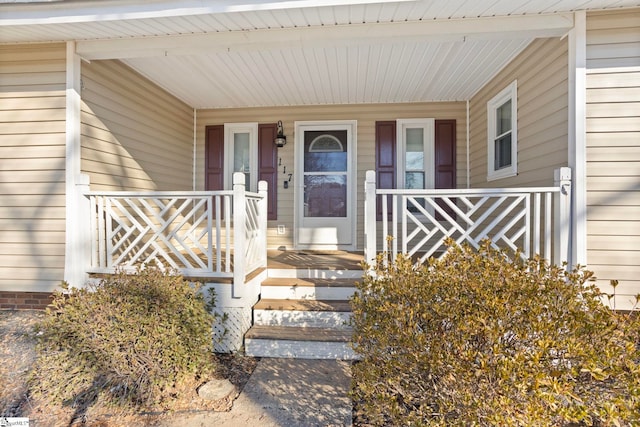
<point x="18" y="354"/>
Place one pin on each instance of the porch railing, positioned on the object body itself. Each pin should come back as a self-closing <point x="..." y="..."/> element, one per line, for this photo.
<point x="417" y="222"/>
<point x="213" y="234"/>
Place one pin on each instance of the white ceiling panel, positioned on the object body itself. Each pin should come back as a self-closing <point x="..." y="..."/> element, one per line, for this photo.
<point x="364" y="73"/>
<point x="62" y="20"/>
<point x="244" y="53"/>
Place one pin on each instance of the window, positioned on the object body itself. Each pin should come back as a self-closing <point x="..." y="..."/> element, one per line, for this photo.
<point x="241" y="142"/>
<point x="325" y="143"/>
<point x="415" y="149"/>
<point x="326" y="161"/>
<point x="502" y="130"/>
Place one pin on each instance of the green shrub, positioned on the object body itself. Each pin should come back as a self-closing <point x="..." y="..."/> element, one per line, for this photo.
<point x="128" y="340"/>
<point x="477" y="339"/>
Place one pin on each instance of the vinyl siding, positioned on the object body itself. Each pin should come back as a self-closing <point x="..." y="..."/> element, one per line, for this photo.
<point x="541" y="73"/>
<point x="613" y="152"/>
<point x="366" y="116"/>
<point x="135" y="136"/>
<point x="32" y="166"/>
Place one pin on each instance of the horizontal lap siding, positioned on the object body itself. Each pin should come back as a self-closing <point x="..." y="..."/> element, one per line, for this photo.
<point x="366" y="116"/>
<point x="135" y="136"/>
<point x="613" y="151"/>
<point x="32" y="167"/>
<point x="541" y="72"/>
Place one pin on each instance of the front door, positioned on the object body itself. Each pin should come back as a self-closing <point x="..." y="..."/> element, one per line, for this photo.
<point x="325" y="196"/>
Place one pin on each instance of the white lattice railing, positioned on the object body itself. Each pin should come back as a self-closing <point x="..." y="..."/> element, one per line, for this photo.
<point x="255" y="255"/>
<point x="188" y="232"/>
<point x="200" y="234"/>
<point x="417" y="222"/>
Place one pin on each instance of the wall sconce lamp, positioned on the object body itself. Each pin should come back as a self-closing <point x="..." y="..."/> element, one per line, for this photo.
<point x="280" y="140"/>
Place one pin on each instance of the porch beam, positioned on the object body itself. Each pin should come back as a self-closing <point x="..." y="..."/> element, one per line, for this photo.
<point x="494" y="28"/>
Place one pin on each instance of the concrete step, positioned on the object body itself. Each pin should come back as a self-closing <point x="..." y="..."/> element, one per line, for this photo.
<point x="296" y="288"/>
<point x="302" y="313"/>
<point x="299" y="342"/>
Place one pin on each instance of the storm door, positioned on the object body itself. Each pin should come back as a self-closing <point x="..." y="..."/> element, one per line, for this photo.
<point x="325" y="197"/>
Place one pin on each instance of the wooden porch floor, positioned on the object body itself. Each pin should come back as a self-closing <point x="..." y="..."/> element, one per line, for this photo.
<point x="293" y="259"/>
<point x="324" y="260"/>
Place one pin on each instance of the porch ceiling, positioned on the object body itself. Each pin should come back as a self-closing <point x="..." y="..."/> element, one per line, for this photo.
<point x="234" y="54"/>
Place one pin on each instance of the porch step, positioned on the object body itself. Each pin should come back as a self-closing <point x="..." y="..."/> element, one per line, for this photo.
<point x="299" y="342"/>
<point x="296" y="288"/>
<point x="304" y="308"/>
<point x="304" y="329"/>
<point x="302" y="313"/>
<point x="302" y="305"/>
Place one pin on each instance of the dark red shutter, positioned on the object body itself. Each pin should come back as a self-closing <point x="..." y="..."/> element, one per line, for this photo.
<point x="445" y="157"/>
<point x="214" y="158"/>
<point x="268" y="166"/>
<point x="385" y="158"/>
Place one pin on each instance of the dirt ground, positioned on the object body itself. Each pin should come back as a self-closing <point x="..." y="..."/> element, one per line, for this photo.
<point x="18" y="354"/>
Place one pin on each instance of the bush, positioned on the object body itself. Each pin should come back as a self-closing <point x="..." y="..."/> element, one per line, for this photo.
<point x="128" y="340"/>
<point x="477" y="339"/>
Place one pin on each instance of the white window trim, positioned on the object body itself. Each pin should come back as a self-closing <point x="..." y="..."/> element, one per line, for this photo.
<point x="428" y="126"/>
<point x="508" y="93"/>
<point x="229" y="130"/>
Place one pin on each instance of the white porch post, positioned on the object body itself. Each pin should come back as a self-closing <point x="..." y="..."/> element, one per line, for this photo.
<point x="239" y="235"/>
<point x="562" y="216"/>
<point x="578" y="136"/>
<point x="263" y="213"/>
<point x="370" y="217"/>
<point x="77" y="232"/>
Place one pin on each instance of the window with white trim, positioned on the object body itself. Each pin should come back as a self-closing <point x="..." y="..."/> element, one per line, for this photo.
<point x="415" y="154"/>
<point x="502" y="130"/>
<point x="241" y="148"/>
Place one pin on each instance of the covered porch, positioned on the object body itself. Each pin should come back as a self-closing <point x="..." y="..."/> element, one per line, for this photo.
<point x="337" y="74"/>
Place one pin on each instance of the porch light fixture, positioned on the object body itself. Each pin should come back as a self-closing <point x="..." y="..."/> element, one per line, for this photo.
<point x="280" y="140"/>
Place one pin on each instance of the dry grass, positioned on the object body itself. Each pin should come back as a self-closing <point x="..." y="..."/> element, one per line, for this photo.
<point x="18" y="354"/>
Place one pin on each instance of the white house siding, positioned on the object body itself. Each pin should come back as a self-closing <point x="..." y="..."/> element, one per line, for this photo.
<point x="613" y="151"/>
<point x="32" y="166"/>
<point x="135" y="135"/>
<point x="366" y="116"/>
<point x="541" y="72"/>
